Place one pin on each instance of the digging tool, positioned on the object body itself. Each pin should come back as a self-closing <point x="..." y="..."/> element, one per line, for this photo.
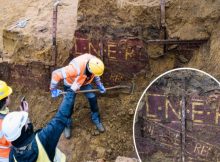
<point x="130" y="88"/>
<point x="20" y="24"/>
<point x="54" y="30"/>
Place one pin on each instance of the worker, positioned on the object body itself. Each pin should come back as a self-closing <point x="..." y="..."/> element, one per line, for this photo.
<point x="78" y="75"/>
<point x="5" y="92"/>
<point x="39" y="146"/>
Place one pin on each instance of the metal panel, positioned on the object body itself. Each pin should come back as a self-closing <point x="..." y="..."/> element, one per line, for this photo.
<point x="193" y="136"/>
<point x="33" y="75"/>
<point x="122" y="57"/>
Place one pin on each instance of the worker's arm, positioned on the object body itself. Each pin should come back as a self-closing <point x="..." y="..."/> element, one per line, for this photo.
<point x="49" y="135"/>
<point x="68" y="72"/>
<point x="56" y="78"/>
<point x="99" y="84"/>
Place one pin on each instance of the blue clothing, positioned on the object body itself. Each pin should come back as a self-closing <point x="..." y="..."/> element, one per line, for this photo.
<point x="89" y="94"/>
<point x="49" y="135"/>
<point x="92" y="102"/>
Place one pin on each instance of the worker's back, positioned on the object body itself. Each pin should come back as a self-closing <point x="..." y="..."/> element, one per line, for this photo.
<point x="25" y="153"/>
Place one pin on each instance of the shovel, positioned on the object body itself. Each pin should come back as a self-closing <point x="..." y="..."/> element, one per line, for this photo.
<point x="130" y="89"/>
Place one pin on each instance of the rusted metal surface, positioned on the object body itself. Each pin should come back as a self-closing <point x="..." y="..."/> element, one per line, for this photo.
<point x="180" y="46"/>
<point x="122" y="57"/>
<point x="163" y="31"/>
<point x="162" y="8"/>
<point x="33" y="75"/>
<point x="183" y="122"/>
<point x="54" y="33"/>
<point x="172" y="41"/>
<point x="163" y="127"/>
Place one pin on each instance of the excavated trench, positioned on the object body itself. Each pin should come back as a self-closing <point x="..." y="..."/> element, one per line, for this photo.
<point x="136" y="39"/>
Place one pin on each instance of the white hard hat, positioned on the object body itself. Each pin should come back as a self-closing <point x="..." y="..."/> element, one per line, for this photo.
<point x="13" y="123"/>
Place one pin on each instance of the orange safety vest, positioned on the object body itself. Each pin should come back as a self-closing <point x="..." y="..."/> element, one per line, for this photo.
<point x="74" y="72"/>
<point x="4" y="144"/>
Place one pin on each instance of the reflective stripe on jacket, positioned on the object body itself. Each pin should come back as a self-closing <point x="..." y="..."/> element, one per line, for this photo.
<point x="4" y="144"/>
<point x="42" y="155"/>
<point x="4" y="159"/>
<point x="73" y="73"/>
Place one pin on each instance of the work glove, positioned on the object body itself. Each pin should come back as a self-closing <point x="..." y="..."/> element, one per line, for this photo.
<point x="101" y="87"/>
<point x="75" y="86"/>
<point x="55" y="92"/>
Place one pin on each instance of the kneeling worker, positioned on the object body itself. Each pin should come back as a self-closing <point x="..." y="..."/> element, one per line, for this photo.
<point x="40" y="146"/>
<point x="78" y="75"/>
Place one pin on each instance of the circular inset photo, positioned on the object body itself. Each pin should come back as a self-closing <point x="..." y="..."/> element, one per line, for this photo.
<point x="177" y="118"/>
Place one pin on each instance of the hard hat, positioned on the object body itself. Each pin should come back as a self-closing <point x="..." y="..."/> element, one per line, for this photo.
<point x="13" y="123"/>
<point x="5" y="90"/>
<point x="96" y="66"/>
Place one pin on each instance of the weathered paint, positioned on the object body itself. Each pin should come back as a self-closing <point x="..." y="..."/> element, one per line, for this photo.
<point x="122" y="57"/>
<point x="161" y="107"/>
<point x="33" y="75"/>
<point x="161" y="127"/>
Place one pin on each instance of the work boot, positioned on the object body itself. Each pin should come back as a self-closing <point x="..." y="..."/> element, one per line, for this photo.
<point x="67" y="132"/>
<point x="100" y="127"/>
<point x="97" y="122"/>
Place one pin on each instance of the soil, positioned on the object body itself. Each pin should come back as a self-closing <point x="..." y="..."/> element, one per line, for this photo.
<point x="87" y="144"/>
<point x="33" y="42"/>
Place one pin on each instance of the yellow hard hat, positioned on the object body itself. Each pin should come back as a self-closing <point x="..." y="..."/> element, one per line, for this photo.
<point x="96" y="66"/>
<point x="5" y="90"/>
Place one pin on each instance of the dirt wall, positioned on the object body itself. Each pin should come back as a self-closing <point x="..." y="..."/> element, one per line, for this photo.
<point x="34" y="41"/>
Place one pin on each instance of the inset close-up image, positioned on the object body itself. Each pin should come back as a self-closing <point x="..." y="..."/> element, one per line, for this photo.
<point x="178" y="118"/>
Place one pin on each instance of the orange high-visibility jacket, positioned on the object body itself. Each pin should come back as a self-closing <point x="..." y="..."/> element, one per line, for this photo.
<point x="4" y="144"/>
<point x="73" y="73"/>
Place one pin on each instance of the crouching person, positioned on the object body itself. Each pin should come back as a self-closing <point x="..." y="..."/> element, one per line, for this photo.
<point x="39" y="146"/>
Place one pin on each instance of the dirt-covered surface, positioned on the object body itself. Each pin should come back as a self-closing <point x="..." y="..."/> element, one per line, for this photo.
<point x="34" y="41"/>
<point x="87" y="144"/>
<point x="108" y="20"/>
<point x="158" y="132"/>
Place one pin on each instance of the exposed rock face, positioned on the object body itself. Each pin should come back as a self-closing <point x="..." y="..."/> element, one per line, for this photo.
<point x="33" y="42"/>
<point x="197" y="20"/>
<point x="192" y="19"/>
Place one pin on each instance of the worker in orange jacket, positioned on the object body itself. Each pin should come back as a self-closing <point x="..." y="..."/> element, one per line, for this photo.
<point x="5" y="92"/>
<point x="78" y="75"/>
